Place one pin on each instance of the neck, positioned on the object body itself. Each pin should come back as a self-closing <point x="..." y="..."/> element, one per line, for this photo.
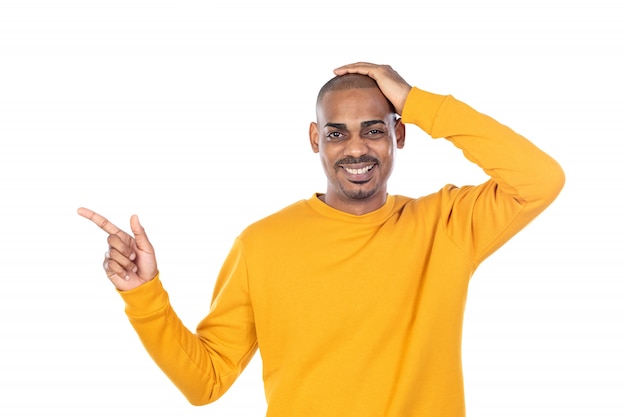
<point x="357" y="207"/>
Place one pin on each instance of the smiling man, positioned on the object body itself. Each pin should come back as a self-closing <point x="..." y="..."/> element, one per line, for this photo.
<point x="356" y="134"/>
<point x="353" y="297"/>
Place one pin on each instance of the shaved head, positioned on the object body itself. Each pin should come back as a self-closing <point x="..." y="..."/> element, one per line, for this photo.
<point x="347" y="82"/>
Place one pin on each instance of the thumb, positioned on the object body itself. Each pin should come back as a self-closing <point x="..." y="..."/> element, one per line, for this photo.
<point x="143" y="244"/>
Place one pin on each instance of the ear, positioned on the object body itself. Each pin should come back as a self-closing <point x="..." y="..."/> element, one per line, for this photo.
<point x="400" y="133"/>
<point x="314" y="137"/>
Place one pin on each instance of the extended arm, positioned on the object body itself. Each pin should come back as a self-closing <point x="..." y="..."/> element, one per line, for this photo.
<point x="201" y="365"/>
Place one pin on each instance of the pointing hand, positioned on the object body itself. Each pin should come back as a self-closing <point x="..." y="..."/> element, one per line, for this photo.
<point x="130" y="260"/>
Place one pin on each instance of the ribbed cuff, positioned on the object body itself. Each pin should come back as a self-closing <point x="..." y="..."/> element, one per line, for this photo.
<point x="147" y="300"/>
<point x="421" y="108"/>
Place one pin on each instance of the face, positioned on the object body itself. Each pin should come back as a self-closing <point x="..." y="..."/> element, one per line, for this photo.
<point x="356" y="135"/>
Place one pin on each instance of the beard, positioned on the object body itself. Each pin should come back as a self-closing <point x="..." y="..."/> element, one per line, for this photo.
<point x="359" y="194"/>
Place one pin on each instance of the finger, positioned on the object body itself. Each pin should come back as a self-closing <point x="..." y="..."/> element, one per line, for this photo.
<point x="379" y="73"/>
<point x="115" y="271"/>
<point x="123" y="245"/>
<point x="124" y="261"/>
<point x="141" y="239"/>
<point x="392" y="85"/>
<point x="365" y="68"/>
<point x="101" y="221"/>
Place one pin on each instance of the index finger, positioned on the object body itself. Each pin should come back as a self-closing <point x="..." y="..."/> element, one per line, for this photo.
<point x="102" y="222"/>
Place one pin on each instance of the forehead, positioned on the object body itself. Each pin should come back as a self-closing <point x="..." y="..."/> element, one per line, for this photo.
<point x="354" y="104"/>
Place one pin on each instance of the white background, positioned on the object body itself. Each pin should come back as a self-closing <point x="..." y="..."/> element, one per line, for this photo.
<point x="195" y="116"/>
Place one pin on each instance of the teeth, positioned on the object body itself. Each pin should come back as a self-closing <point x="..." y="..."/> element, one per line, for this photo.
<point x="359" y="171"/>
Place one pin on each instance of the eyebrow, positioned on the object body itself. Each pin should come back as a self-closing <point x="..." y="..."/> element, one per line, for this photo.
<point x="343" y="126"/>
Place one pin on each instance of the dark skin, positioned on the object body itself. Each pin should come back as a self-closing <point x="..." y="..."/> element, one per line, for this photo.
<point x="351" y="124"/>
<point x="356" y="135"/>
<point x="130" y="260"/>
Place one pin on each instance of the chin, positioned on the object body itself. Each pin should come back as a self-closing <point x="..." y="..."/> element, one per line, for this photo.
<point x="358" y="194"/>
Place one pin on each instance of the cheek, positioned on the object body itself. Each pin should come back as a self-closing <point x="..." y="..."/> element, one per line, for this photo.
<point x="328" y="153"/>
<point x="385" y="149"/>
<point x="327" y="161"/>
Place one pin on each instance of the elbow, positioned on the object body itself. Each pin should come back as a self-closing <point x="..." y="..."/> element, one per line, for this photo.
<point x="197" y="402"/>
<point x="554" y="180"/>
<point x="198" y="397"/>
<point x="200" y="400"/>
<point x="545" y="186"/>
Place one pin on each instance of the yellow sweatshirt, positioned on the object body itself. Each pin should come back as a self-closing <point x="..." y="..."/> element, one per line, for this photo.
<point x="357" y="316"/>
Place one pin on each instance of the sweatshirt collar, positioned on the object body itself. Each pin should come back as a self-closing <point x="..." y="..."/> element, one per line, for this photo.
<point x="375" y="216"/>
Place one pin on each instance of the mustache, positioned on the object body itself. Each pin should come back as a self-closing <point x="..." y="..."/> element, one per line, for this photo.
<point x="360" y="160"/>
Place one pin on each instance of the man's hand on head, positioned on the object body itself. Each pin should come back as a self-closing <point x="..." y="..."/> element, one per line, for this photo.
<point x="393" y="86"/>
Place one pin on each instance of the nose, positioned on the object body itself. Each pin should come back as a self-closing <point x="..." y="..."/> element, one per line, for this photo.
<point x="355" y="146"/>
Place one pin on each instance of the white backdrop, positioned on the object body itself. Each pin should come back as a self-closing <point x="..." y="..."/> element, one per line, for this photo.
<point x="195" y="116"/>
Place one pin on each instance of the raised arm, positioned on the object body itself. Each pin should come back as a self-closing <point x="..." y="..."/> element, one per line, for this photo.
<point x="524" y="179"/>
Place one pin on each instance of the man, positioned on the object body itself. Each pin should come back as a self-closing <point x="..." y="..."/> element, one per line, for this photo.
<point x="354" y="297"/>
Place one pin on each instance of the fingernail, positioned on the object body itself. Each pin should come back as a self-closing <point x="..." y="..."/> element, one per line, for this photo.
<point x="127" y="277"/>
<point x="132" y="256"/>
<point x="135" y="268"/>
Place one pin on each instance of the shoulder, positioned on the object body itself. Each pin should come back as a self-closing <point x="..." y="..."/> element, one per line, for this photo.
<point x="279" y="220"/>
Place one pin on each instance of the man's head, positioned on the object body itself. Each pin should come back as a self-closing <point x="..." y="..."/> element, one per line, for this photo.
<point x="356" y="134"/>
<point x="346" y="82"/>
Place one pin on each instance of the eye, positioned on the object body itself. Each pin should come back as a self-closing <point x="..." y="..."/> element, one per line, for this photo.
<point x="334" y="136"/>
<point x="375" y="133"/>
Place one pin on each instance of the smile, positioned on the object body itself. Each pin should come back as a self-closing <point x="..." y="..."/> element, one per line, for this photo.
<point x="359" y="171"/>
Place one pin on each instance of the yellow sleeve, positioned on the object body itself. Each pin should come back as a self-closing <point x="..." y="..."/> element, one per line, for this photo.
<point x="524" y="179"/>
<point x="202" y="365"/>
